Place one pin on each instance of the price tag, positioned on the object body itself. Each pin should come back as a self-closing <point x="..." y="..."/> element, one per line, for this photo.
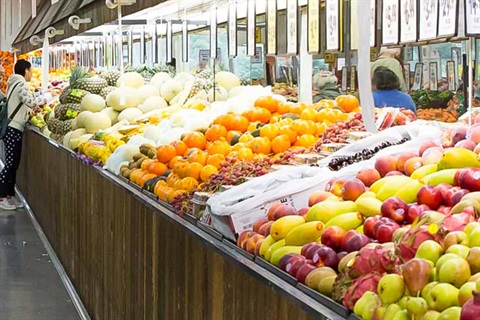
<point x="292" y="26"/>
<point x="251" y="27"/>
<point x="272" y="27"/>
<point x="332" y="9"/>
<point x="258" y="35"/>
<point x="232" y="29"/>
<point x="258" y="55"/>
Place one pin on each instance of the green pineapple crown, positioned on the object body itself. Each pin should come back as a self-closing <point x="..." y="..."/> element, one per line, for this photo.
<point x="78" y="73"/>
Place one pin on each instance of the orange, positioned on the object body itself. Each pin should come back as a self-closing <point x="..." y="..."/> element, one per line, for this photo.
<point x="258" y="114"/>
<point x="215" y="132"/>
<point x="165" y="153"/>
<point x="252" y="126"/>
<point x="260" y="145"/>
<point x="179" y="167"/>
<point x="267" y="102"/>
<point x="321" y="127"/>
<point x="157" y="168"/>
<point x="290" y="132"/>
<point x="207" y="171"/>
<point x="172" y="162"/>
<point x="219" y="147"/>
<point x="234" y="122"/>
<point x="180" y="146"/>
<point x="145" y="178"/>
<point x="195" y="140"/>
<point x="281" y="143"/>
<point x="215" y="160"/>
<point x="188" y="184"/>
<point x="146" y="163"/>
<point x="198" y="156"/>
<point x="347" y="103"/>
<point x="232" y="134"/>
<point x="239" y="146"/>
<point x="306" y="140"/>
<point x="193" y="170"/>
<point x="270" y="131"/>
<point x="297" y="108"/>
<point x="245" y="154"/>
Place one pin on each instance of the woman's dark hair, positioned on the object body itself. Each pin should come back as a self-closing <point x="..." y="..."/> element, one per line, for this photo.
<point x="22" y="66"/>
<point x="385" y="79"/>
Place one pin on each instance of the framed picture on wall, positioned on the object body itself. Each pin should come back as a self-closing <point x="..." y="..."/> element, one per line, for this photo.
<point x="408" y="21"/>
<point x="433" y="73"/>
<point x="428" y="19"/>
<point x="451" y="76"/>
<point x="390" y="22"/>
<point x="251" y="27"/>
<point x="232" y="29"/>
<point x="332" y="24"/>
<point x="448" y="15"/>
<point x="292" y="26"/>
<point x="417" y="80"/>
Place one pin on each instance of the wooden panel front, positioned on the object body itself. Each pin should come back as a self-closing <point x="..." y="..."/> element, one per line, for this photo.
<point x="128" y="262"/>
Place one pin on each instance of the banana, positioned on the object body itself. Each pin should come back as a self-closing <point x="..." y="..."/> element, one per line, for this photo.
<point x="284" y="225"/>
<point x="443" y="176"/>
<point x="305" y="233"/>
<point x="274" y="247"/>
<point x="278" y="254"/>
<point x="408" y="192"/>
<point x="392" y="186"/>
<point x="423" y="171"/>
<point x="385" y="181"/>
<point x="347" y="221"/>
<point x="326" y="210"/>
<point x="458" y="208"/>
<point x="368" y="207"/>
<point x="266" y="244"/>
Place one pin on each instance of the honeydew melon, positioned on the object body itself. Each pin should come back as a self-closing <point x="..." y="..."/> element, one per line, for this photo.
<point x="92" y="102"/>
<point x="221" y="94"/>
<point x="227" y="80"/>
<point x="112" y="114"/>
<point x="80" y="119"/>
<point x="97" y="121"/>
<point x="130" y="114"/>
<point x="159" y="79"/>
<point x="170" y="89"/>
<point x="184" y="77"/>
<point x="131" y="79"/>
<point x="147" y="91"/>
<point x="123" y="98"/>
<point x="153" y="103"/>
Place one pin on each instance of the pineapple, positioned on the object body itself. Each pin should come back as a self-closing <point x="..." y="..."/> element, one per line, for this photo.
<point x="105" y="91"/>
<point x="67" y="111"/>
<point x="59" y="127"/>
<point x="93" y="84"/>
<point x="111" y="77"/>
<point x="57" y="137"/>
<point x="73" y="94"/>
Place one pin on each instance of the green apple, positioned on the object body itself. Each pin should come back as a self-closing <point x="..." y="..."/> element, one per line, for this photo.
<point x="391" y="311"/>
<point x="391" y="288"/>
<point x="452" y="313"/>
<point x="431" y="315"/>
<point x="417" y="306"/>
<point x="473" y="259"/>
<point x="429" y="250"/>
<point x="470" y="227"/>
<point x="360" y="304"/>
<point x="455" y="237"/>
<point x="466" y="292"/>
<point x="427" y="289"/>
<point x="444" y="258"/>
<point x="455" y="271"/>
<point x="474" y="238"/>
<point x="442" y="296"/>
<point x="401" y="315"/>
<point x="459" y="249"/>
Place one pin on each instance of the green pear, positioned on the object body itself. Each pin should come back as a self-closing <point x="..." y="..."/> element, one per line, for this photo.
<point x="379" y="313"/>
<point x="401" y="315"/>
<point x="427" y="289"/>
<point x="391" y="311"/>
<point x="471" y="227"/>
<point x="466" y="292"/>
<point x="459" y="249"/>
<point x="444" y="258"/>
<point x="473" y="260"/>
<point x="431" y="315"/>
<point x="452" y="313"/>
<point x="403" y="302"/>
<point x="369" y="309"/>
<point x="455" y="271"/>
<point x="417" y="306"/>
<point x="429" y="250"/>
<point x="474" y="238"/>
<point x="391" y="288"/>
<point x="360" y="304"/>
<point x="325" y="286"/>
<point x="442" y="296"/>
<point x="455" y="237"/>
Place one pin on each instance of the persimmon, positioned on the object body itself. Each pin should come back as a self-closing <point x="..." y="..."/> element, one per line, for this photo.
<point x="157" y="168"/>
<point x="231" y="135"/>
<point x="347" y="103"/>
<point x="215" y="132"/>
<point x="270" y="131"/>
<point x="198" y="156"/>
<point x="290" y="132"/>
<point x="304" y="127"/>
<point x="188" y="184"/>
<point x="245" y="154"/>
<point x="246" y="137"/>
<point x="280" y="144"/>
<point x="207" y="172"/>
<point x="306" y="140"/>
<point x="174" y="160"/>
<point x="180" y="146"/>
<point x="195" y="140"/>
<point x="308" y="114"/>
<point x="165" y="153"/>
<point x="146" y="163"/>
<point x="219" y="147"/>
<point x="260" y="145"/>
<point x="259" y="114"/>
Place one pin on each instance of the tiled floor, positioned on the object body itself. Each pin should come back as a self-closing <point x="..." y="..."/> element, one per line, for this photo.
<point x="30" y="287"/>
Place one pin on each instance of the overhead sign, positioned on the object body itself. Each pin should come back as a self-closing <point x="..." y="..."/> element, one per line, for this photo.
<point x="313" y="31"/>
<point x="332" y="9"/>
<point x="390" y="22"/>
<point x="428" y="15"/>
<point x="408" y="21"/>
<point x="292" y="26"/>
<point x="271" y="27"/>
<point x="232" y="29"/>
<point x="251" y="27"/>
<point x="448" y="13"/>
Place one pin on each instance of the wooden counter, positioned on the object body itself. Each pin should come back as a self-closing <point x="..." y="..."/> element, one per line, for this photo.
<point x="131" y="258"/>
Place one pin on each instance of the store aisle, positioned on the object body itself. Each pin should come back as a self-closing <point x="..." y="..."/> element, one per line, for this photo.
<point x="30" y="286"/>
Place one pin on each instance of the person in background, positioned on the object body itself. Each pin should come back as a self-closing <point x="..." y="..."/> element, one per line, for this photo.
<point x="325" y="83"/>
<point x="388" y="58"/>
<point x="387" y="93"/>
<point x="22" y="99"/>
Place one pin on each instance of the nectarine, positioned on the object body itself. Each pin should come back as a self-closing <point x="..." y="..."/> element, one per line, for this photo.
<point x="368" y="176"/>
<point x="352" y="189"/>
<point x="412" y="164"/>
<point x="426" y="145"/>
<point x="402" y="159"/>
<point x="385" y="164"/>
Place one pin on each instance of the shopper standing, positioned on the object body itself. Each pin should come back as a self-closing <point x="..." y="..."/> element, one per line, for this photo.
<point x="20" y="100"/>
<point x="387" y="93"/>
<point x="388" y="58"/>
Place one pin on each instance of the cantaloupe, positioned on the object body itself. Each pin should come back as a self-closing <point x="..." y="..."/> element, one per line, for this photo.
<point x="170" y="89"/>
<point x="123" y="98"/>
<point x="147" y="91"/>
<point x="221" y="94"/>
<point x="92" y="102"/>
<point x="153" y="103"/>
<point x="97" y="121"/>
<point x="131" y="79"/>
<point x="112" y="114"/>
<point x="227" y="80"/>
<point x="130" y="114"/>
<point x="80" y="119"/>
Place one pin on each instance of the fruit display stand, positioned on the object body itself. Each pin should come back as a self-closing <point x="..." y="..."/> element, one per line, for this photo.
<point x="131" y="258"/>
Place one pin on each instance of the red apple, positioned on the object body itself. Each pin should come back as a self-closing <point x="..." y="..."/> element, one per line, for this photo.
<point x="402" y="159"/>
<point x="427" y="144"/>
<point x="470" y="179"/>
<point x="368" y="226"/>
<point x="415" y="211"/>
<point x="394" y="208"/>
<point x="385" y="164"/>
<point x="430" y="196"/>
<point x="385" y="232"/>
<point x="294" y="265"/>
<point x="259" y="223"/>
<point x="368" y="176"/>
<point x="352" y="189"/>
<point x="456" y="177"/>
<point x="357" y="242"/>
<point x="443" y="187"/>
<point x="303" y="272"/>
<point x="325" y="257"/>
<point x="332" y="237"/>
<point x="346" y="237"/>
<point x="318" y="196"/>
<point x="454" y="196"/>
<point x="311" y="251"/>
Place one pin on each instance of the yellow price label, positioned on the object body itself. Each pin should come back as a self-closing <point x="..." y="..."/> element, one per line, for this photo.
<point x="76" y="93"/>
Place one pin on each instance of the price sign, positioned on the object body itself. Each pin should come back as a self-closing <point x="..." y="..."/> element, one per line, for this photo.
<point x="451" y="76"/>
<point x="408" y="21"/>
<point x="332" y="9"/>
<point x="344" y="78"/>
<point x="390" y="22"/>
<point x="313" y="31"/>
<point x="448" y="12"/>
<point x="258" y="56"/>
<point x="292" y="26"/>
<point x="373" y="23"/>
<point x="417" y="80"/>
<point x="433" y="76"/>
<point x="251" y="27"/>
<point x="428" y="14"/>
<point x="272" y="27"/>
<point x="213" y="32"/>
<point x="472" y="17"/>
<point x="232" y="29"/>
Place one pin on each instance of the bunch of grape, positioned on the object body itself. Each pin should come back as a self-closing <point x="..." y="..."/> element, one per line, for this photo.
<point x="288" y="157"/>
<point x="338" y="132"/>
<point x="182" y="204"/>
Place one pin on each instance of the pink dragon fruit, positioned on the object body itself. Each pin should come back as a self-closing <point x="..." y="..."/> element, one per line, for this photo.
<point x="457" y="222"/>
<point x="408" y="245"/>
<point x="377" y="259"/>
<point x="368" y="282"/>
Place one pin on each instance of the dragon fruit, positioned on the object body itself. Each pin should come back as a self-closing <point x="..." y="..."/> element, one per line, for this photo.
<point x="457" y="222"/>
<point x="419" y="233"/>
<point x="374" y="259"/>
<point x="348" y="291"/>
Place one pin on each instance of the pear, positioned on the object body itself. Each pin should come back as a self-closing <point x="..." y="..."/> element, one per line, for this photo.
<point x="391" y="288"/>
<point x="401" y="315"/>
<point x="417" y="306"/>
<point x="391" y="311"/>
<point x="362" y="302"/>
<point x="416" y="274"/>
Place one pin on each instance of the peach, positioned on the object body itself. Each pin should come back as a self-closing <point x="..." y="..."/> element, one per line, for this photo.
<point x="272" y="209"/>
<point x="244" y="235"/>
<point x="459" y="134"/>
<point x="243" y="243"/>
<point x="259" y="223"/>
<point x="477" y="149"/>
<point x="466" y="144"/>
<point x="385" y="164"/>
<point x="427" y="144"/>
<point x="474" y="134"/>
<point x="412" y="164"/>
<point x="257" y="247"/>
<point x="368" y="176"/>
<point x="283" y="211"/>
<point x="251" y="243"/>
<point x="332" y="237"/>
<point x="264" y="229"/>
<point x="432" y="155"/>
<point x="352" y="189"/>
<point x="402" y="159"/>
<point x="394" y="173"/>
<point x="318" y="196"/>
